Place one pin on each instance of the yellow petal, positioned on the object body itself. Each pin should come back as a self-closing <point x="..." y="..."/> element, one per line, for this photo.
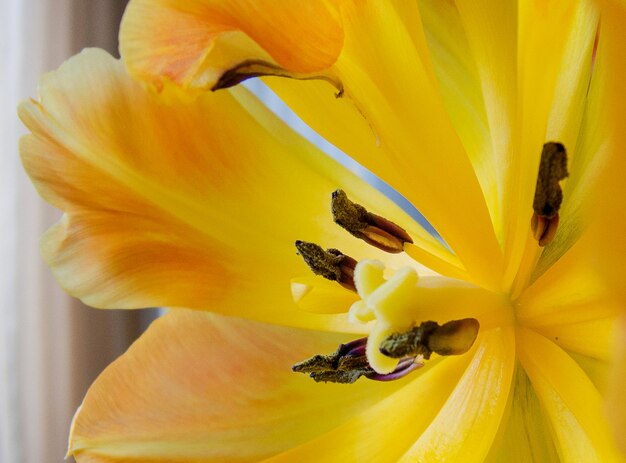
<point x="592" y="338"/>
<point x="193" y="43"/>
<point x="585" y="133"/>
<point x="545" y="33"/>
<point x="385" y="431"/>
<point x="571" y="291"/>
<point x="491" y="31"/>
<point x="616" y="393"/>
<point x="199" y="387"/>
<point x="597" y="371"/>
<point x="571" y="401"/>
<point x="315" y="294"/>
<point x="465" y="427"/>
<point x="415" y="147"/>
<point x="195" y="205"/>
<point x="605" y="241"/>
<point x="460" y="86"/>
<point x="525" y="434"/>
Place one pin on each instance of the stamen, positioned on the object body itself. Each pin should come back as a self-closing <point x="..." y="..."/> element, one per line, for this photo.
<point x="348" y="363"/>
<point x="452" y="338"/>
<point x="332" y="264"/>
<point x="404" y="368"/>
<point x="371" y="228"/>
<point x="548" y="192"/>
<point x="258" y="68"/>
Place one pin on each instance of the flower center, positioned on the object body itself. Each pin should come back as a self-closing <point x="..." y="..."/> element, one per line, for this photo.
<point x="412" y="318"/>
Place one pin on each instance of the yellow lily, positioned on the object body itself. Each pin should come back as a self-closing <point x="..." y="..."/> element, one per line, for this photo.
<point x="197" y="204"/>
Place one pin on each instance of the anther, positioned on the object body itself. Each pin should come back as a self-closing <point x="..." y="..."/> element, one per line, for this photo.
<point x="548" y="192"/>
<point x="348" y="363"/>
<point x="371" y="228"/>
<point x="331" y="264"/>
<point x="452" y="338"/>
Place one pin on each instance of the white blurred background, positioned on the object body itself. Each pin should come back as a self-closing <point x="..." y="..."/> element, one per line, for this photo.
<point x="51" y="347"/>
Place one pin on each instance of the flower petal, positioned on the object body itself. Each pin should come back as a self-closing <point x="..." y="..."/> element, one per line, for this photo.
<point x="585" y="133"/>
<point x="465" y="427"/>
<point x="547" y="32"/>
<point x="200" y="387"/>
<point x="605" y="241"/>
<point x="570" y="292"/>
<point x="193" y="43"/>
<point x="592" y="338"/>
<point x="491" y="30"/>
<point x="415" y="147"/>
<point x="571" y="401"/>
<point x="525" y="432"/>
<point x="616" y="390"/>
<point x="194" y="205"/>
<point x="384" y="432"/>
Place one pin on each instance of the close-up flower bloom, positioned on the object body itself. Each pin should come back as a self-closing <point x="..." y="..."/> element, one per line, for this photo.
<point x="489" y="340"/>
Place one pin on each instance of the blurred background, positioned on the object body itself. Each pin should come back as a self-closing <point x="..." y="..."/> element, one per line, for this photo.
<point x="51" y="347"/>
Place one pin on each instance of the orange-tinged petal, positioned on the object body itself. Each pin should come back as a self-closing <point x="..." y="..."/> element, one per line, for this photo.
<point x="465" y="427"/>
<point x="616" y="390"/>
<point x="200" y="387"/>
<point x="571" y="401"/>
<point x="606" y="241"/>
<point x="193" y="43"/>
<point x="195" y="205"/>
<point x="384" y="432"/>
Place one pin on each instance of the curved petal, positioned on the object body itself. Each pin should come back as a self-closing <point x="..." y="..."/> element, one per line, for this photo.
<point x="384" y="432"/>
<point x="616" y="390"/>
<point x="547" y="38"/>
<point x="524" y="434"/>
<point x="491" y="28"/>
<point x="194" y="43"/>
<point x="571" y="401"/>
<point x="200" y="387"/>
<point x="587" y="132"/>
<point x="572" y="291"/>
<point x="465" y="427"/>
<point x="414" y="146"/>
<point x="605" y="241"/>
<point x="592" y="338"/>
<point x="195" y="205"/>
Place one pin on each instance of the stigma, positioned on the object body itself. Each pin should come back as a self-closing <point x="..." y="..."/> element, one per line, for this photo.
<point x="402" y="336"/>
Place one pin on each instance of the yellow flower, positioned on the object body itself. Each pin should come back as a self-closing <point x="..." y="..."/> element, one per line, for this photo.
<point x="196" y="203"/>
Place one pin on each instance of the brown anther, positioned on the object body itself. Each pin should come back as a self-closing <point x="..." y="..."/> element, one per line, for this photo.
<point x="452" y="338"/>
<point x="347" y="364"/>
<point x="548" y="192"/>
<point x="371" y="228"/>
<point x="331" y="264"/>
<point x="544" y="229"/>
